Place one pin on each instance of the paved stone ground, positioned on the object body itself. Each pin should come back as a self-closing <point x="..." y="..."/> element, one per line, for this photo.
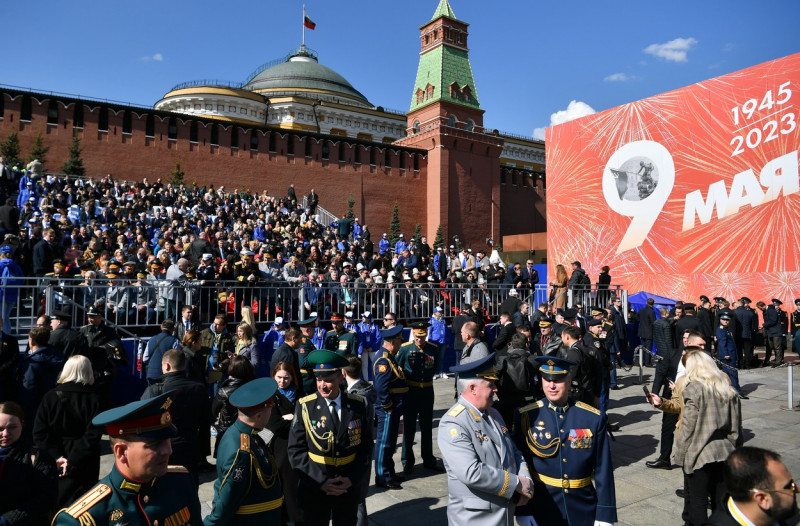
<point x="644" y="496"/>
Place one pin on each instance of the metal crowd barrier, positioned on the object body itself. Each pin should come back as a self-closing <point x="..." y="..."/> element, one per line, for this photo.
<point x="140" y="307"/>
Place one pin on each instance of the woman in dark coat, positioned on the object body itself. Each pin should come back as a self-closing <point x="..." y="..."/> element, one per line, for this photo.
<point x="28" y="486"/>
<point x="63" y="427"/>
<point x="240" y="371"/>
<point x="603" y="283"/>
<point x="280" y="421"/>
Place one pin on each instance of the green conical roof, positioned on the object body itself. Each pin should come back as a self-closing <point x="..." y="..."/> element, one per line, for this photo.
<point x="444" y="9"/>
<point x="441" y="67"/>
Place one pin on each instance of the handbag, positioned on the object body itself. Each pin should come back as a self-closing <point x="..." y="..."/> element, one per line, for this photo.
<point x="552" y="294"/>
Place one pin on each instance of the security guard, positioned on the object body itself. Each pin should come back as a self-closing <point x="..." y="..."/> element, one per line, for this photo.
<point x="391" y="388"/>
<point x="247" y="489"/>
<point x="483" y="464"/>
<point x="142" y="489"/>
<point x="419" y="360"/>
<point x="307" y="347"/>
<point x="565" y="444"/>
<point x="340" y="339"/>
<point x="330" y="445"/>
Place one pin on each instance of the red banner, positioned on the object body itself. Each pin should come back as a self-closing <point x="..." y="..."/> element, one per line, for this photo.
<point x="695" y="191"/>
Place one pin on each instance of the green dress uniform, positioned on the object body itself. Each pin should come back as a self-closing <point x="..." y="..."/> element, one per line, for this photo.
<point x="321" y="450"/>
<point x="169" y="500"/>
<point x="345" y="343"/>
<point x="166" y="500"/>
<point x="419" y="366"/>
<point x="247" y="489"/>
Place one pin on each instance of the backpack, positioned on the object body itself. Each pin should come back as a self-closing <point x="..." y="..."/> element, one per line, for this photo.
<point x="515" y="375"/>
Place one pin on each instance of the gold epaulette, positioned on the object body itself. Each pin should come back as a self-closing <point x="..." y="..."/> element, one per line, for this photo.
<point x="587" y="407"/>
<point x="177" y="469"/>
<point x="456" y="410"/>
<point x="308" y="398"/>
<point x="244" y="442"/>
<point x="535" y="405"/>
<point x="89" y="499"/>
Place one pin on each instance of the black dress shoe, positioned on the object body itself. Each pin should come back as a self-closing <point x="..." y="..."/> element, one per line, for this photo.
<point x="615" y="387"/>
<point x="680" y="493"/>
<point x="390" y="484"/>
<point x="436" y="466"/>
<point x="407" y="470"/>
<point x="744" y="397"/>
<point x="658" y="464"/>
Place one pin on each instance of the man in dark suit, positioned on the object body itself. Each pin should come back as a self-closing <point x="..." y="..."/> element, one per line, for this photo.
<point x="647" y="317"/>
<point x="330" y="445"/>
<point x="686" y="322"/>
<point x="505" y="332"/>
<point x="529" y="275"/>
<point x="666" y="370"/>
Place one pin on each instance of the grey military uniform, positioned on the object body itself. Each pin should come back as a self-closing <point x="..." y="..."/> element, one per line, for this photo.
<point x="483" y="466"/>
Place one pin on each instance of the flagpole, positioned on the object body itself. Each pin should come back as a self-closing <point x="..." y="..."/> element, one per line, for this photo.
<point x="303" y="24"/>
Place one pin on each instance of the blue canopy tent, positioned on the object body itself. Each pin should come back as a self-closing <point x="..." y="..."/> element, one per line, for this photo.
<point x="639" y="300"/>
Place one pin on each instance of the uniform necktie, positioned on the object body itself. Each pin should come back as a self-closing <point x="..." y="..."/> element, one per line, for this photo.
<point x="334" y="415"/>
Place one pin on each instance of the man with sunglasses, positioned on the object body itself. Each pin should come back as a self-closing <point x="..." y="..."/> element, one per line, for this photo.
<point x="760" y="490"/>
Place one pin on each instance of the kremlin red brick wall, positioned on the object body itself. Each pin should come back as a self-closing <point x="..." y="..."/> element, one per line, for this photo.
<point x="375" y="188"/>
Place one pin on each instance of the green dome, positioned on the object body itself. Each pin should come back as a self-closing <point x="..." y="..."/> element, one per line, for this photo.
<point x="303" y="75"/>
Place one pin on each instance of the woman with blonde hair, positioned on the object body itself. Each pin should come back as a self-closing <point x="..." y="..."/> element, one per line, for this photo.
<point x="246" y="345"/>
<point x="63" y="427"/>
<point x="709" y="429"/>
<point x="558" y="294"/>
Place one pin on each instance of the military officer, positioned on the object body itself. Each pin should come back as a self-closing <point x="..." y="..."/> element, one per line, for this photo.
<point x="142" y="488"/>
<point x="565" y="444"/>
<point x="306" y="347"/>
<point x="330" y="445"/>
<point x="726" y="351"/>
<point x="390" y="387"/>
<point x="483" y="464"/>
<point x="419" y="361"/>
<point x="247" y="489"/>
<point x="339" y="339"/>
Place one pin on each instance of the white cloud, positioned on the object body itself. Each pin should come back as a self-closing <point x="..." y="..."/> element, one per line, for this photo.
<point x="158" y="57"/>
<point x="575" y="110"/>
<point x="673" y="51"/>
<point x="619" y="77"/>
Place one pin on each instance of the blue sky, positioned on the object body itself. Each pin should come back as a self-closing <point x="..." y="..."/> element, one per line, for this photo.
<point x="531" y="59"/>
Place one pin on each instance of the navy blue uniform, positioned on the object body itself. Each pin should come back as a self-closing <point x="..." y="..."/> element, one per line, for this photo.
<point x="390" y="386"/>
<point x="566" y="449"/>
<point x="726" y="353"/>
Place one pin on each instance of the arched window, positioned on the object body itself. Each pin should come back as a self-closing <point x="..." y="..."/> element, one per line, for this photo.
<point x="420" y="96"/>
<point x="451" y="120"/>
<point x="357" y="154"/>
<point x="387" y="157"/>
<point x="466" y="94"/>
<point x="416" y="127"/>
<point x="372" y="156"/>
<point x="455" y="93"/>
<point x="290" y="144"/>
<point x="402" y="157"/>
<point x="326" y="149"/>
<point x="341" y="151"/>
<point x="470" y="125"/>
<point x="52" y="112"/>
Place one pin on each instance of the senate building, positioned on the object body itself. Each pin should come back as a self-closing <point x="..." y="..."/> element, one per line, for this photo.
<point x="295" y="121"/>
